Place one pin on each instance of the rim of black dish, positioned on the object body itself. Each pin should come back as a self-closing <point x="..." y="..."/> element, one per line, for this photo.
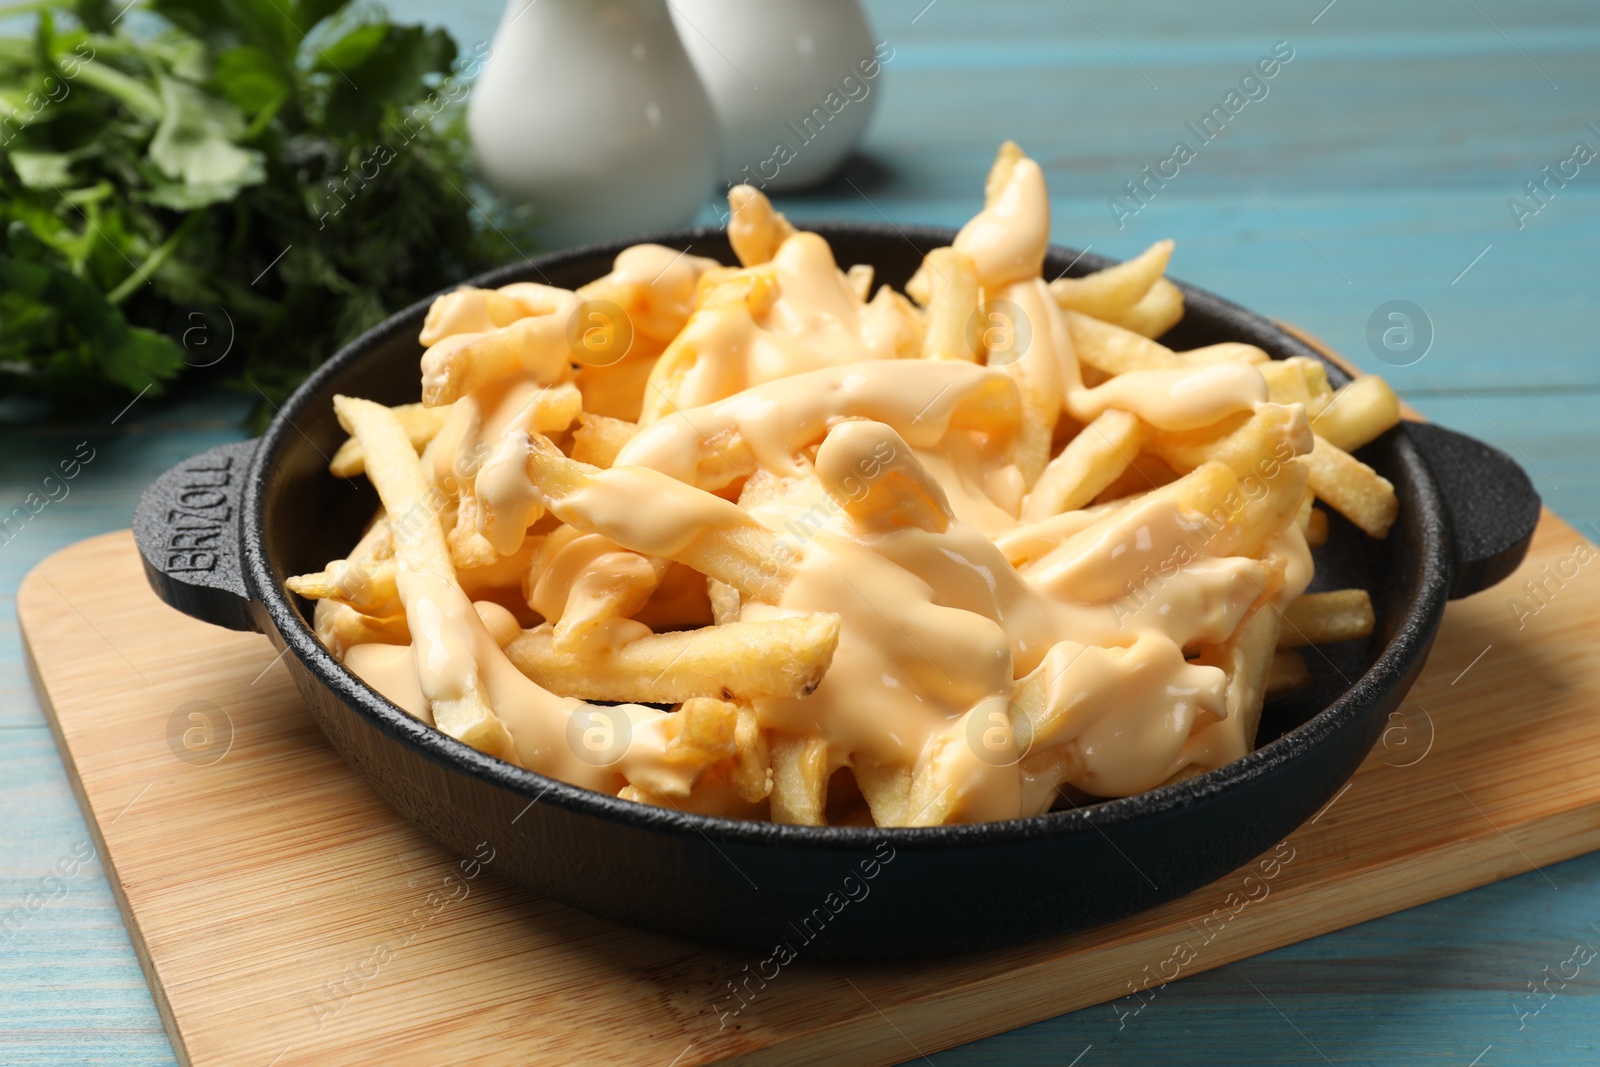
<point x="1411" y="633"/>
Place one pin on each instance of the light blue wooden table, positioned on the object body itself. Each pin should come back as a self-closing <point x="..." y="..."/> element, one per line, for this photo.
<point x="1378" y="167"/>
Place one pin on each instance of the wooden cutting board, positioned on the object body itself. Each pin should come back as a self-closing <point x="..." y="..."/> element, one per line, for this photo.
<point x="284" y="915"/>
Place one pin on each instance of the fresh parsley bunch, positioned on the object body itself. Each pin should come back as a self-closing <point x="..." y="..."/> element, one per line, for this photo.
<point x="265" y="178"/>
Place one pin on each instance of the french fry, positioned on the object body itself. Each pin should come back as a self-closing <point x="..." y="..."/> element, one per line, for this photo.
<point x="919" y="287"/>
<point x="365" y="581"/>
<point x="468" y="310"/>
<point x="1036" y="372"/>
<point x="1287" y="673"/>
<point x="1210" y="491"/>
<point x="725" y="602"/>
<point x="1323" y="618"/>
<point x="1246" y="658"/>
<point x="462" y="708"/>
<point x="755" y="229"/>
<point x="1145" y="473"/>
<point x="420" y="424"/>
<point x="749" y="772"/>
<point x="1225" y="352"/>
<point x="706" y="729"/>
<point x="1114" y="290"/>
<point x="887" y="791"/>
<point x="1316" y="374"/>
<point x="1250" y="443"/>
<point x="1317" y="528"/>
<point x="1088" y="464"/>
<point x="799" y="779"/>
<point x="1358" y="413"/>
<point x="581" y="582"/>
<point x="340" y="627"/>
<point x="740" y="660"/>
<point x="1116" y="350"/>
<point x="892" y="327"/>
<point x="900" y="493"/>
<point x="714" y="536"/>
<point x="1270" y="505"/>
<point x="1159" y="311"/>
<point x="544" y="409"/>
<point x="952" y="302"/>
<point x="369" y="586"/>
<point x="1352" y="488"/>
<point x="468" y="546"/>
<point x="1286" y="382"/>
<point x="859" y="276"/>
<point x="535" y="347"/>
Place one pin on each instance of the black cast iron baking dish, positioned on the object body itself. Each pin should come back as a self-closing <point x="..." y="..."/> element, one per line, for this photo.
<point x="219" y="533"/>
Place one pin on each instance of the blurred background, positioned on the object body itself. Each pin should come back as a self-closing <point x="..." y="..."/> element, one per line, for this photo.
<point x="1416" y="184"/>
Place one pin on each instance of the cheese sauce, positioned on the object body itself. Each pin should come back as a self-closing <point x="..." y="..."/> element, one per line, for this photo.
<point x="949" y="607"/>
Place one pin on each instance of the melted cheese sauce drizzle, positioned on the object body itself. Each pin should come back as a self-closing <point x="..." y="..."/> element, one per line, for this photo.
<point x="945" y="619"/>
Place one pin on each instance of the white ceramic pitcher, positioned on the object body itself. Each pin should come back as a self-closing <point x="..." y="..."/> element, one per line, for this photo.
<point x="794" y="83"/>
<point x="590" y="111"/>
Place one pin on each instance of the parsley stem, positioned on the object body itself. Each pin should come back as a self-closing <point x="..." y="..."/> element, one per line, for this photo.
<point x="129" y="285"/>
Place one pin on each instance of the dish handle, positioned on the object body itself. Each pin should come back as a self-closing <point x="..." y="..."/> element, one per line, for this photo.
<point x="187" y="528"/>
<point x="1489" y="500"/>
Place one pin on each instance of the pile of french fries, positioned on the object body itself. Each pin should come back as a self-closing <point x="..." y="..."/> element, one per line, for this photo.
<point x="586" y="561"/>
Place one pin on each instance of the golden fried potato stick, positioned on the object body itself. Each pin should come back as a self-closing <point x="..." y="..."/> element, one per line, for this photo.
<point x="725" y="601"/>
<point x="952" y="302"/>
<point x="1114" y="290"/>
<point x="860" y="277"/>
<point x="364" y="581"/>
<point x="1225" y="352"/>
<point x="1145" y="473"/>
<point x="727" y="300"/>
<point x="1317" y="528"/>
<point x="740" y="660"/>
<point x="887" y="791"/>
<point x="799" y="779"/>
<point x="1323" y="618"/>
<point x="1005" y="162"/>
<point x="1287" y="674"/>
<point x="706" y="726"/>
<point x="1358" y="413"/>
<point x="1266" y="514"/>
<point x="897" y="494"/>
<point x="1088" y="464"/>
<point x="1115" y="350"/>
<point x="1159" y="311"/>
<point x="892" y="327"/>
<point x="1246" y="658"/>
<point x="420" y="423"/>
<point x="1260" y="448"/>
<point x="1352" y="488"/>
<point x="368" y="587"/>
<point x="755" y="229"/>
<point x="469" y="310"/>
<point x="1286" y="381"/>
<point x="1250" y="443"/>
<point x="340" y="627"/>
<point x="534" y="347"/>
<point x="1316" y="373"/>
<point x="749" y="773"/>
<point x="469" y="548"/>
<point x="703" y="733"/>
<point x="419" y="544"/>
<point x="582" y="583"/>
<point x="712" y="535"/>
